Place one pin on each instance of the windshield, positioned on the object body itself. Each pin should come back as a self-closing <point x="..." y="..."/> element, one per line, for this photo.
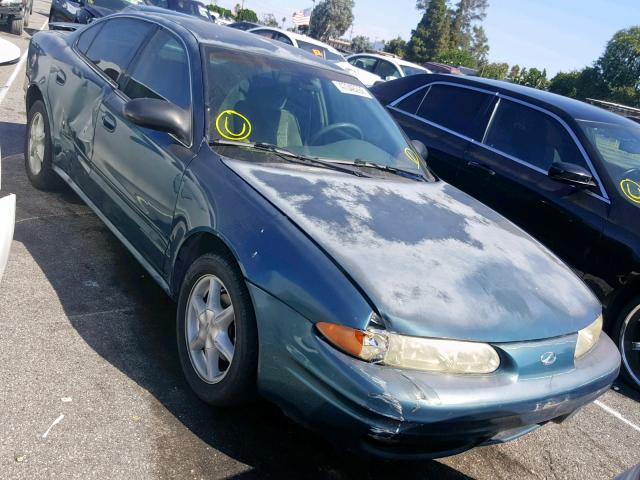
<point x="114" y="4"/>
<point x="188" y="7"/>
<point x="320" y="51"/>
<point x="306" y="110"/>
<point x="408" y="71"/>
<point x="619" y="147"/>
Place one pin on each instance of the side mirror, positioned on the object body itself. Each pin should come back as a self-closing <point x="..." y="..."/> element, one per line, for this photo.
<point x="571" y="174"/>
<point x="421" y="149"/>
<point x="159" y="115"/>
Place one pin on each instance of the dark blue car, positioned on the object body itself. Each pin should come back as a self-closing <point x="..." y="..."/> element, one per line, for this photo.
<point x="313" y="257"/>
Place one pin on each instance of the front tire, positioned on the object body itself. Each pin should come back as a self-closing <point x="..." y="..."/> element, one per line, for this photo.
<point x="216" y="332"/>
<point x="38" y="151"/>
<point x="627" y="335"/>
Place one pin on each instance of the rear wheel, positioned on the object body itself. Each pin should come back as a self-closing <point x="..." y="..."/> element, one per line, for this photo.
<point x="216" y="332"/>
<point x="37" y="149"/>
<point x="16" y="25"/>
<point x="627" y="334"/>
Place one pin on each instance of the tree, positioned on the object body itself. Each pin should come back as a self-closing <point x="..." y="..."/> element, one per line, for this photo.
<point x="224" y="12"/>
<point x="466" y="13"/>
<point x="514" y="74"/>
<point x="620" y="62"/>
<point x="533" y="78"/>
<point x="246" y="15"/>
<point x="457" y="57"/>
<point x="479" y="45"/>
<point x="497" y="71"/>
<point x="360" y="44"/>
<point x="284" y="21"/>
<point x="431" y="36"/>
<point x="422" y="4"/>
<point x="270" y="20"/>
<point x="396" y="46"/>
<point x="331" y="19"/>
<point x="566" y="83"/>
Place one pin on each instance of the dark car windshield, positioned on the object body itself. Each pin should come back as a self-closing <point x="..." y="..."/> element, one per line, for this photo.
<point x="306" y="110"/>
<point x="114" y="4"/>
<point x="618" y="145"/>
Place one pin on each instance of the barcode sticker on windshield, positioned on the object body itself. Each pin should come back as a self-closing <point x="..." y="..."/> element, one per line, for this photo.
<point x="351" y="89"/>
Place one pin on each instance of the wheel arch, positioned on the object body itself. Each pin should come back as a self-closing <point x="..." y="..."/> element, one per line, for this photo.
<point x="33" y="94"/>
<point x="194" y="245"/>
<point x="620" y="301"/>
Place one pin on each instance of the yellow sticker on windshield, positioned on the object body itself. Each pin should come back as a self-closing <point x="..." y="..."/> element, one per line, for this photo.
<point x="233" y="125"/>
<point x="316" y="52"/>
<point x="630" y="189"/>
<point x="412" y="155"/>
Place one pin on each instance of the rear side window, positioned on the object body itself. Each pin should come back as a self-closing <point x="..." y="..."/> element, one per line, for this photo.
<point x="161" y="71"/>
<point x="84" y="42"/>
<point x="532" y="136"/>
<point x="282" y="38"/>
<point x="454" y="108"/>
<point x="386" y="70"/>
<point x="116" y="44"/>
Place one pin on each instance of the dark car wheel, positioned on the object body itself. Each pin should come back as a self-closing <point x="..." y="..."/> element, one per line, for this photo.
<point x="16" y="26"/>
<point x="37" y="149"/>
<point x="216" y="332"/>
<point x="627" y="334"/>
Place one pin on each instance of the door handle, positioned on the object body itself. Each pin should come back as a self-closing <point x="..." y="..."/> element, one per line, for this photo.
<point x="61" y="77"/>
<point x="109" y="122"/>
<point x="481" y="167"/>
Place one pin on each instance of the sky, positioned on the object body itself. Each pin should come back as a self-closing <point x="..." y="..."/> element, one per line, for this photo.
<point x="553" y="34"/>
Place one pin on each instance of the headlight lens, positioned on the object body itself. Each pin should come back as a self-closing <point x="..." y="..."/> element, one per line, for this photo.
<point x="427" y="354"/>
<point x="588" y="337"/>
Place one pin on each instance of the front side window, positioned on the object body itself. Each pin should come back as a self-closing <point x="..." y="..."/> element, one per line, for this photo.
<point x="305" y="109"/>
<point x="365" y="63"/>
<point x="161" y="71"/>
<point x="115" y="45"/>
<point x="412" y="102"/>
<point x="532" y="136"/>
<point x="283" y="38"/>
<point x="264" y="33"/>
<point x="386" y="70"/>
<point x="619" y="147"/>
<point x="454" y="108"/>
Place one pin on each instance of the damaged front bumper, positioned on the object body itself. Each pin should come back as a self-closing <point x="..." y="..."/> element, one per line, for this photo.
<point x="396" y="413"/>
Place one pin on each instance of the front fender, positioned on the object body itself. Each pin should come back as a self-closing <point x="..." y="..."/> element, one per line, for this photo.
<point x="272" y="252"/>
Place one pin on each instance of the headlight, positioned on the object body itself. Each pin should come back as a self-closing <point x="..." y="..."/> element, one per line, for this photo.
<point x="588" y="337"/>
<point x="428" y="354"/>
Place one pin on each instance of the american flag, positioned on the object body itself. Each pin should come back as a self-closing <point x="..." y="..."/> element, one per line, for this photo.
<point x="302" y="17"/>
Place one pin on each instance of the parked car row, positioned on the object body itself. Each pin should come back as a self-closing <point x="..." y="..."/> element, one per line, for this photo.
<point x="565" y="171"/>
<point x="313" y="256"/>
<point x="16" y="14"/>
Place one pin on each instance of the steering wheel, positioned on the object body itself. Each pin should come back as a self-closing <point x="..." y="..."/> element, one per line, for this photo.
<point x="336" y="126"/>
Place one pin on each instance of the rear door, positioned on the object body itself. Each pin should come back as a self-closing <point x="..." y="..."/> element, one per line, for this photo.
<point x="519" y="146"/>
<point x="445" y="117"/>
<point x="140" y="169"/>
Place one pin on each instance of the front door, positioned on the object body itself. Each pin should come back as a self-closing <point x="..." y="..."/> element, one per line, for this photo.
<point x="141" y="169"/>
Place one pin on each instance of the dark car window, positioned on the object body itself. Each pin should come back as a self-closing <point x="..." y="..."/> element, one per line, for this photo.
<point x="365" y="63"/>
<point x="453" y="107"/>
<point x="161" y="71"/>
<point x="320" y="51"/>
<point x="84" y="42"/>
<point x="531" y="135"/>
<point x="282" y="38"/>
<point x="386" y="70"/>
<point x="412" y="102"/>
<point x="115" y="5"/>
<point x="116" y="44"/>
<point x="264" y="33"/>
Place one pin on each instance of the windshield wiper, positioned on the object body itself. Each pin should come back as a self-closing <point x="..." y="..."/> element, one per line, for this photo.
<point x="288" y="155"/>
<point x="381" y="166"/>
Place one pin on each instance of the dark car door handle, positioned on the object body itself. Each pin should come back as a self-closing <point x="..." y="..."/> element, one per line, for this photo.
<point x="109" y="122"/>
<point x="61" y="77"/>
<point x="481" y="167"/>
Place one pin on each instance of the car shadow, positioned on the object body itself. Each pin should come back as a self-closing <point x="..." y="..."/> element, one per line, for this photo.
<point x="126" y="318"/>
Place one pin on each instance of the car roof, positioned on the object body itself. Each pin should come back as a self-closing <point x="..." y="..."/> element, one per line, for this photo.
<point x="297" y="36"/>
<point x="220" y="35"/>
<point x="576" y="109"/>
<point x="397" y="60"/>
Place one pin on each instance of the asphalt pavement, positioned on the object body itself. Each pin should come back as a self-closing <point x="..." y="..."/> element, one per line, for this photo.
<point x="90" y="384"/>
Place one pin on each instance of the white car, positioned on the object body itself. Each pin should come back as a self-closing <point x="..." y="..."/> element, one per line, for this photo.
<point x="387" y="67"/>
<point x="318" y="48"/>
<point x="7" y="222"/>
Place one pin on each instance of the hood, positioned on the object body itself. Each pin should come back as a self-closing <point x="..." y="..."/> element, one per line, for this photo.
<point x="433" y="261"/>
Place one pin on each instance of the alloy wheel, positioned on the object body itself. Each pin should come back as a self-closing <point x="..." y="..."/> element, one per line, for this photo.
<point x="629" y="342"/>
<point x="210" y="329"/>
<point x="36" y="143"/>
